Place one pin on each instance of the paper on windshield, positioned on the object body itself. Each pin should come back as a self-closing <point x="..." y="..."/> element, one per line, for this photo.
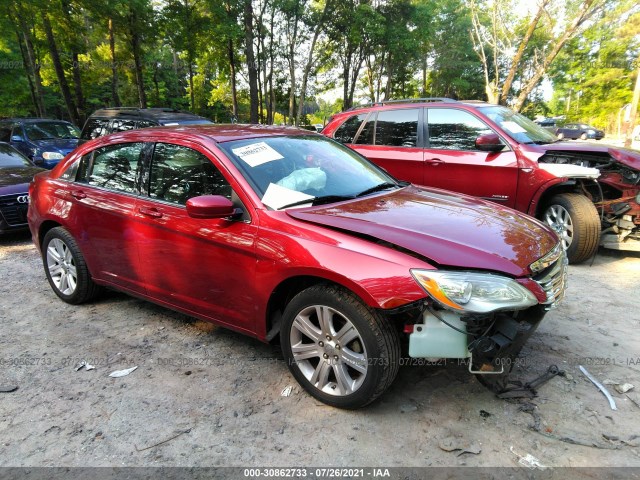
<point x="513" y="127"/>
<point x="277" y="197"/>
<point x="256" y="154"/>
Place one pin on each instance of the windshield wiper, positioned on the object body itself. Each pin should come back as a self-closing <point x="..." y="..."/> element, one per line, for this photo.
<point x="318" y="200"/>
<point x="377" y="188"/>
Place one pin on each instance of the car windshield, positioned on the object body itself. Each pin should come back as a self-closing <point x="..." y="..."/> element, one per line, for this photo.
<point x="517" y="126"/>
<point x="50" y="130"/>
<point x="10" y="158"/>
<point x="292" y="171"/>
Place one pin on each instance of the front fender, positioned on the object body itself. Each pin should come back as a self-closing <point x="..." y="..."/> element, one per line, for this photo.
<point x="532" y="208"/>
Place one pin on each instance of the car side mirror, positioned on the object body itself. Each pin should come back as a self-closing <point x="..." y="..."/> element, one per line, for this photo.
<point x="16" y="138"/>
<point x="489" y="142"/>
<point x="210" y="206"/>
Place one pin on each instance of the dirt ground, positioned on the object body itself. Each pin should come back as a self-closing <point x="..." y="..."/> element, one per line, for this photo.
<point x="205" y="396"/>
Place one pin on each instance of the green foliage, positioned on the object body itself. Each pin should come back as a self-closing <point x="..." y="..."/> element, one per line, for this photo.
<point x="594" y="77"/>
<point x="455" y="70"/>
<point x="191" y="54"/>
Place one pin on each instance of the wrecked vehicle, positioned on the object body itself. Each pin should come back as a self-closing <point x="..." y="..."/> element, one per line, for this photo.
<point x="280" y="233"/>
<point x="587" y="193"/>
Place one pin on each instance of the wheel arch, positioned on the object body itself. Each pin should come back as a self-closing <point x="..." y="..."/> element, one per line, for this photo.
<point x="44" y="229"/>
<point x="542" y="197"/>
<point x="288" y="288"/>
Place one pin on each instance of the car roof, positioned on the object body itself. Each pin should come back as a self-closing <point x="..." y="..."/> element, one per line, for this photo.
<point x="156" y="114"/>
<point x="413" y="102"/>
<point x="31" y="120"/>
<point x="219" y="133"/>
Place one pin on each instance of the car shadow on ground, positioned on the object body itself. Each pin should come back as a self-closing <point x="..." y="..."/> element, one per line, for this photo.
<point x="20" y="237"/>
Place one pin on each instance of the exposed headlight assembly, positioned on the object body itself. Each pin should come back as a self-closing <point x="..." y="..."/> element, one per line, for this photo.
<point x="474" y="292"/>
<point x="52" y="156"/>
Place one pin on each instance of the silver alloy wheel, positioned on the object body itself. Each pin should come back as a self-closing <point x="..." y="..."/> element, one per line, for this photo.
<point x="558" y="218"/>
<point x="62" y="267"/>
<point x="328" y="350"/>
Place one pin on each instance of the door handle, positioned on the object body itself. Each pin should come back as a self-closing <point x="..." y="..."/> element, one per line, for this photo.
<point x="78" y="194"/>
<point x="435" y="161"/>
<point x="150" y="212"/>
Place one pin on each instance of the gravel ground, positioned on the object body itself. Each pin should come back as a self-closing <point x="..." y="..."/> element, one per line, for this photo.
<point x="205" y="396"/>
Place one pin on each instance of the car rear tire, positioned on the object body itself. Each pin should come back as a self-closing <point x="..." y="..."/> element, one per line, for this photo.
<point x="560" y="135"/>
<point x="584" y="136"/>
<point x="66" y="268"/>
<point x="575" y="219"/>
<point x="341" y="351"/>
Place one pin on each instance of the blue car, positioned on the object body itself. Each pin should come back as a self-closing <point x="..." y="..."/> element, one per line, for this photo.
<point x="43" y="141"/>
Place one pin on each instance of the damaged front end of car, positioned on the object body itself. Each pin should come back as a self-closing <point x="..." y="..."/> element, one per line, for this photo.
<point x="616" y="195"/>
<point x="483" y="318"/>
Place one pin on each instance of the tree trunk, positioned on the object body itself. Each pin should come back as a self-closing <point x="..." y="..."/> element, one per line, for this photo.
<point x="77" y="84"/>
<point x="515" y="63"/>
<point x="62" y="81"/>
<point x="586" y="10"/>
<point x="424" y="77"/>
<point x="292" y="78"/>
<point x="192" y="95"/>
<point x="272" y="96"/>
<point x="137" y="60"/>
<point x="29" y="72"/>
<point x="310" y="60"/>
<point x="37" y="78"/>
<point x="29" y="58"/>
<point x="75" y="66"/>
<point x="232" y="73"/>
<point x="178" y="91"/>
<point x="114" y="66"/>
<point x="259" y="80"/>
<point x="346" y="76"/>
<point x="156" y="86"/>
<point x="251" y="61"/>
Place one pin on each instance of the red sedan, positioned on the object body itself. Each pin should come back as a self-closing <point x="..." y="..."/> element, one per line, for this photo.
<point x="283" y="233"/>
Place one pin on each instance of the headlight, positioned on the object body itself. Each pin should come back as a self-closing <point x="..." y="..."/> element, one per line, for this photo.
<point x="474" y="292"/>
<point x="52" y="156"/>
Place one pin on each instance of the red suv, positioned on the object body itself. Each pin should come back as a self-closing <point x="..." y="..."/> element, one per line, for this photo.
<point x="491" y="152"/>
<point x="283" y="233"/>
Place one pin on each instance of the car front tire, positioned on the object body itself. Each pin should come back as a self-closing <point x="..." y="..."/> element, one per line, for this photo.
<point x="66" y="268"/>
<point x="575" y="219"/>
<point x="340" y="351"/>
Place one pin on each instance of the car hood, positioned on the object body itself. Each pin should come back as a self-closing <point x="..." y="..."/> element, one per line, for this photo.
<point x="62" y="145"/>
<point x="16" y="177"/>
<point x="626" y="156"/>
<point x="451" y="230"/>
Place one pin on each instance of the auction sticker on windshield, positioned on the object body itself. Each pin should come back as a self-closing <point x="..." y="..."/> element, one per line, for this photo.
<point x="257" y="153"/>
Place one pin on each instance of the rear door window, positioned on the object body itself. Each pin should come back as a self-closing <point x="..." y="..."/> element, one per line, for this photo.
<point x="397" y="128"/>
<point x="368" y="130"/>
<point x="114" y="167"/>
